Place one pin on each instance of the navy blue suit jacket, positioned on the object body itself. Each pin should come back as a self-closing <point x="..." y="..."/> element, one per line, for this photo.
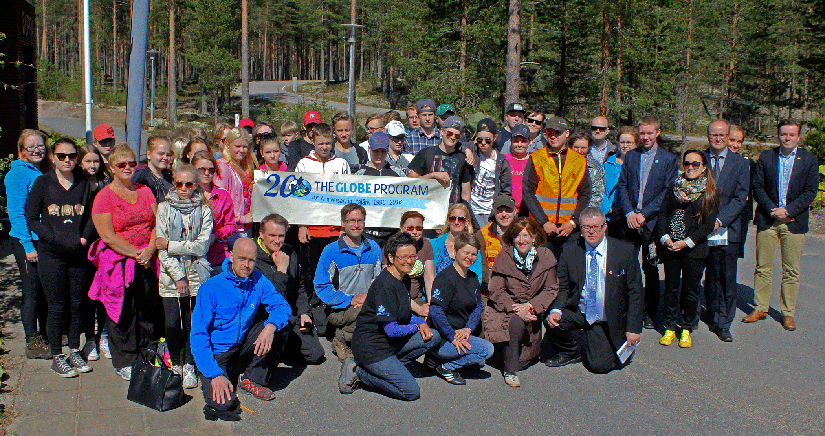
<point x="802" y="188"/>
<point x="732" y="187"/>
<point x="662" y="173"/>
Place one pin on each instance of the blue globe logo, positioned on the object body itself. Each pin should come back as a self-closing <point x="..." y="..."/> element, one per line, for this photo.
<point x="299" y="187"/>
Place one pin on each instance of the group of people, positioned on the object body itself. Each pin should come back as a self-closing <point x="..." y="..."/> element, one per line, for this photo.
<point x="543" y="235"/>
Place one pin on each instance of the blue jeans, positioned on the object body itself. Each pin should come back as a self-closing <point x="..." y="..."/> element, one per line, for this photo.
<point x="390" y="376"/>
<point x="480" y="350"/>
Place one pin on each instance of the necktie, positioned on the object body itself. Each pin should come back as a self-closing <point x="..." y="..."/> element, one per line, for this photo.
<point x="591" y="311"/>
<point x="716" y="160"/>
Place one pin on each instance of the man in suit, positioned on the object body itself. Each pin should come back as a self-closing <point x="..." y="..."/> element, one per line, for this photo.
<point x="647" y="173"/>
<point x="731" y="172"/>
<point x="736" y="140"/>
<point x="784" y="185"/>
<point x="600" y="292"/>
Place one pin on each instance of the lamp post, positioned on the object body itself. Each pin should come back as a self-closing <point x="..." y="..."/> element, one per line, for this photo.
<point x="351" y="91"/>
<point x="153" y="54"/>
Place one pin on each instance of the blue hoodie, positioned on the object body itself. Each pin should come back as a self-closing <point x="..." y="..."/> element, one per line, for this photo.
<point x="224" y="310"/>
<point x="19" y="181"/>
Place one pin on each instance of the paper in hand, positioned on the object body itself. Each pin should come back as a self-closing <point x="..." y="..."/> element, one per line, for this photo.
<point x="625" y="351"/>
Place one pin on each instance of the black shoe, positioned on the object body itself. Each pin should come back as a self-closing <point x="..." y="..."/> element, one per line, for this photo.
<point x="724" y="335"/>
<point x="562" y="360"/>
<point x="450" y="376"/>
<point x="429" y="362"/>
<point x="648" y="323"/>
<point x="211" y="414"/>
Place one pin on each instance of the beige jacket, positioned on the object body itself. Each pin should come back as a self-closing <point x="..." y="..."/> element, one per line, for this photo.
<point x="179" y="259"/>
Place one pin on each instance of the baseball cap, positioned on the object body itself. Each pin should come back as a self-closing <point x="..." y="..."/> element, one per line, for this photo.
<point x="425" y="102"/>
<point x="103" y="131"/>
<point x="487" y="125"/>
<point x="312" y="117"/>
<point x="520" y="130"/>
<point x="379" y="140"/>
<point x="556" y="123"/>
<point x="444" y="108"/>
<point x="515" y="107"/>
<point x="454" y="122"/>
<point x="395" y="128"/>
<point x="504" y="200"/>
<point x="246" y="122"/>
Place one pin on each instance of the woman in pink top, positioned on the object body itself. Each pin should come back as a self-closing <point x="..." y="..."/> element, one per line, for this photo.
<point x="518" y="158"/>
<point x="223" y="218"/>
<point x="124" y="216"/>
<point x="271" y="152"/>
<point x="235" y="175"/>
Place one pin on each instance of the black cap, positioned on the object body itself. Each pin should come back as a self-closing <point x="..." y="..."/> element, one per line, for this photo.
<point x="515" y="107"/>
<point x="487" y="125"/>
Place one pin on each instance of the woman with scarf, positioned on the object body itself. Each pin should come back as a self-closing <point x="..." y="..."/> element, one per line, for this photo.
<point x="522" y="288"/>
<point x="235" y="175"/>
<point x="686" y="218"/>
<point x="184" y="229"/>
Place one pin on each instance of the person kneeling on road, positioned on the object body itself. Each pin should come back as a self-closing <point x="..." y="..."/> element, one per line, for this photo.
<point x="223" y="340"/>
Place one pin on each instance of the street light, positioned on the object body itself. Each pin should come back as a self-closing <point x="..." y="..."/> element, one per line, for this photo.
<point x="351" y="98"/>
<point x="153" y="54"/>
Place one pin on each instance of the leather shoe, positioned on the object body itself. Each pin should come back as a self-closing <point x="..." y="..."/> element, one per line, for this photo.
<point x="648" y="323"/>
<point x="724" y="335"/>
<point x="562" y="360"/>
<point x="788" y="323"/>
<point x="756" y="315"/>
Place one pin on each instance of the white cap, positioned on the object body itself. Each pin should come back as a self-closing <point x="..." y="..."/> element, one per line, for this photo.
<point x="395" y="128"/>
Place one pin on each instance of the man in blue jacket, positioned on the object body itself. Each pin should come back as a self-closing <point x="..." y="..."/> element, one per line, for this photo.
<point x="223" y="339"/>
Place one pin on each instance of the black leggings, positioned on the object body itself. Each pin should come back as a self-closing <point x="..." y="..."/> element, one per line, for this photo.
<point x="178" y="316"/>
<point x="33" y="308"/>
<point x="64" y="280"/>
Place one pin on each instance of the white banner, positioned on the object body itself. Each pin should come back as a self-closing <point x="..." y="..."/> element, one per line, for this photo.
<point x="317" y="199"/>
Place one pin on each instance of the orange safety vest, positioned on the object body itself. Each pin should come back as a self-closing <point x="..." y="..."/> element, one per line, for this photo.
<point x="492" y="245"/>
<point x="556" y="191"/>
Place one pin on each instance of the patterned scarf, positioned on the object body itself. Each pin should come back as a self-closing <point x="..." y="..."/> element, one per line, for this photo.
<point x="525" y="264"/>
<point x="686" y="190"/>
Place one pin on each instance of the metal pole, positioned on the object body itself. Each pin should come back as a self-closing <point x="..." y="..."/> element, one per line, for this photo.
<point x="352" y="72"/>
<point x="152" y="106"/>
<point x="87" y="73"/>
<point x="137" y="71"/>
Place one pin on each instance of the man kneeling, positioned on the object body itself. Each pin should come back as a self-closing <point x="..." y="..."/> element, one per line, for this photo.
<point x="223" y="340"/>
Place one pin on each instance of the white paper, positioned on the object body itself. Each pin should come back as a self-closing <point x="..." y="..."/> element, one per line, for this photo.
<point x="719" y="237"/>
<point x="626" y="350"/>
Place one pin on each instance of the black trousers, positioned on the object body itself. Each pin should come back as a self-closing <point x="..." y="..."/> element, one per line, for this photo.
<point x="241" y="359"/>
<point x="512" y="348"/>
<point x="178" y="315"/>
<point x="308" y="256"/>
<point x="720" y="285"/>
<point x="305" y="345"/>
<point x="599" y="350"/>
<point x="34" y="306"/>
<point x="681" y="302"/>
<point x="556" y="243"/>
<point x="650" y="271"/>
<point x="63" y="278"/>
<point x="135" y="328"/>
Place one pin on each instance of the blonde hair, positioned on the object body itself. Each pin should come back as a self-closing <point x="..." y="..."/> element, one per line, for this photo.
<point x="217" y="133"/>
<point x="469" y="228"/>
<point x="21" y="141"/>
<point x="289" y="128"/>
<point x="121" y="150"/>
<point x="153" y="141"/>
<point x="247" y="166"/>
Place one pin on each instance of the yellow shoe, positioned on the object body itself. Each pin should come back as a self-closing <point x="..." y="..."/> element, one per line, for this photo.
<point x="684" y="341"/>
<point x="668" y="337"/>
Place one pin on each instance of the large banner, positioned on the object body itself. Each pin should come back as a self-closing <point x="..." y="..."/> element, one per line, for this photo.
<point x="305" y="198"/>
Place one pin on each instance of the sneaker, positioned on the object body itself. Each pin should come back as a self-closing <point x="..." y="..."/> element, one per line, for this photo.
<point x="511" y="379"/>
<point x="429" y="362"/>
<point x="177" y="369"/>
<point x="37" y="348"/>
<point x="190" y="379"/>
<point x="667" y="338"/>
<point x="348" y="381"/>
<point x="684" y="340"/>
<point x="90" y="351"/>
<point x="125" y="373"/>
<point x="258" y="391"/>
<point x="341" y="349"/>
<point x="62" y="368"/>
<point x="104" y="346"/>
<point x="450" y="376"/>
<point x="77" y="362"/>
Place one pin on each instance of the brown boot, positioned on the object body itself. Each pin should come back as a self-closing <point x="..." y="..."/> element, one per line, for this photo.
<point x="341" y="349"/>
<point x="756" y="315"/>
<point x="788" y="323"/>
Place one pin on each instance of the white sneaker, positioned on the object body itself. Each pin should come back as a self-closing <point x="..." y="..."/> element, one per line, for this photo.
<point x="190" y="379"/>
<point x="125" y="372"/>
<point x="177" y="369"/>
<point x="104" y="346"/>
<point x="90" y="351"/>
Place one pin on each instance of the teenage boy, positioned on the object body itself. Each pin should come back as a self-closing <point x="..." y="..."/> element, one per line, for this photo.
<point x="446" y="163"/>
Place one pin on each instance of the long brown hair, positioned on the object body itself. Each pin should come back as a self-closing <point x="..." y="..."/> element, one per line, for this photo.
<point x="533" y="228"/>
<point x="710" y="199"/>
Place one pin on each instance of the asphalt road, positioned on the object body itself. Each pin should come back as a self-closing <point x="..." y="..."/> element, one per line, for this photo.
<point x="768" y="381"/>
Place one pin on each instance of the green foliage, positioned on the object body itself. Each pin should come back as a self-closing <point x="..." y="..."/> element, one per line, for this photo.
<point x="815" y="138"/>
<point x="52" y="84"/>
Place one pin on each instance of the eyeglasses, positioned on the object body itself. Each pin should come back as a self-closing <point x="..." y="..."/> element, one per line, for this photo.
<point x="588" y="228"/>
<point x="459" y="219"/>
<point x="205" y="170"/>
<point x="414" y="228"/>
<point x="355" y="221"/>
<point x="484" y="140"/>
<point x="598" y="128"/>
<point x="534" y="121"/>
<point x="32" y="148"/>
<point x="410" y="258"/>
<point x="695" y="164"/>
<point x="719" y="135"/>
<point x="63" y="156"/>
<point x="449" y="134"/>
<point x="123" y="165"/>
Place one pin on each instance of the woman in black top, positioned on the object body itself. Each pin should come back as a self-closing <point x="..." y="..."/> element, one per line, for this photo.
<point x="387" y="335"/>
<point x="58" y="210"/>
<point x="455" y="309"/>
<point x="686" y="218"/>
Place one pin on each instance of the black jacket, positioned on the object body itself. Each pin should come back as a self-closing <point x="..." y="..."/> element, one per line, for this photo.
<point x="694" y="229"/>
<point x="733" y="187"/>
<point x="297" y="150"/>
<point x="802" y="188"/>
<point x="289" y="284"/>
<point x="58" y="216"/>
<point x="664" y="169"/>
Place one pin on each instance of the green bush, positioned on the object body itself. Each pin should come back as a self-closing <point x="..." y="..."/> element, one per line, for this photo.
<point x="52" y="84"/>
<point x="815" y="138"/>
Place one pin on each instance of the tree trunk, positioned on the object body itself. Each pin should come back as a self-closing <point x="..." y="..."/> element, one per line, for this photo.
<point x="605" y="60"/>
<point x="115" y="53"/>
<point x="727" y="92"/>
<point x="244" y="58"/>
<point x="171" y="82"/>
<point x="684" y="95"/>
<point x="44" y="44"/>
<point x="512" y="74"/>
<point x="561" y="82"/>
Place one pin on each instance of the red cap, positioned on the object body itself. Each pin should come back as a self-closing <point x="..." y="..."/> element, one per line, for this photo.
<point x="246" y="122"/>
<point x="312" y="117"/>
<point x="103" y="131"/>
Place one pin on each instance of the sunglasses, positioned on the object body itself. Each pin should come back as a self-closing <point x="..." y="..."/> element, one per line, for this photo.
<point x="484" y="140"/>
<point x="188" y="185"/>
<point x="598" y="128"/>
<point x="123" y="165"/>
<point x="399" y="138"/>
<point x="205" y="170"/>
<point x="448" y="134"/>
<point x="63" y="156"/>
<point x="553" y="133"/>
<point x="534" y="121"/>
<point x="693" y="164"/>
<point x="414" y="228"/>
<point x="459" y="219"/>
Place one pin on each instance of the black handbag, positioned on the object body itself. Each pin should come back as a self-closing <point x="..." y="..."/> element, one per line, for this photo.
<point x="155" y="387"/>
